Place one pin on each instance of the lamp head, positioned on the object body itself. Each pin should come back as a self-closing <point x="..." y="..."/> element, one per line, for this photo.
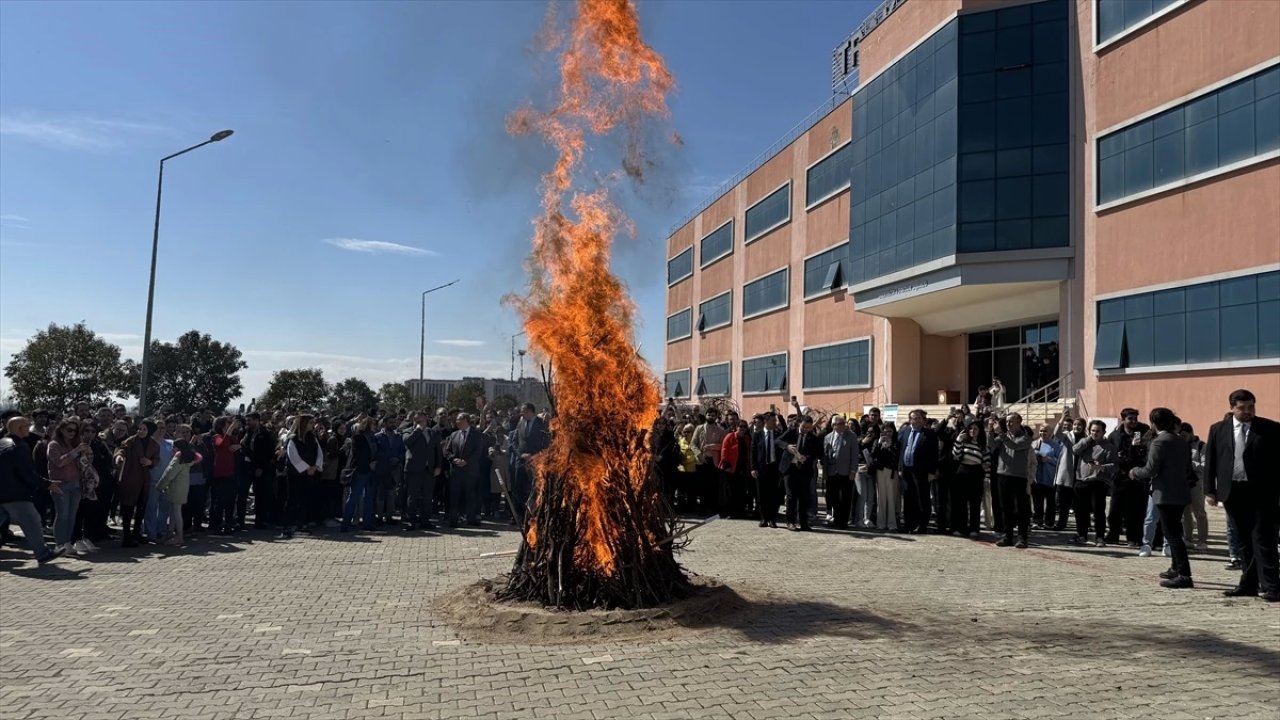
<point x="221" y="135"/>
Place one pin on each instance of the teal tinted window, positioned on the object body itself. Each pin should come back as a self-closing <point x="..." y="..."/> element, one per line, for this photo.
<point x="769" y="213"/>
<point x="767" y="293"/>
<point x="680" y="325"/>
<point x="716" y="312"/>
<point x="1229" y="125"/>
<point x="713" y="380"/>
<point x="717" y="244"/>
<point x="765" y="374"/>
<point x="1232" y="319"/>
<point x="677" y="384"/>
<point x="1116" y="16"/>
<point x="844" y="365"/>
<point x="826" y="271"/>
<point x="680" y="267"/>
<point x="829" y="176"/>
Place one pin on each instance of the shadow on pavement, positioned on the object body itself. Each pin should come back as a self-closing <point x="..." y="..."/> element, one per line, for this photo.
<point x="776" y="619"/>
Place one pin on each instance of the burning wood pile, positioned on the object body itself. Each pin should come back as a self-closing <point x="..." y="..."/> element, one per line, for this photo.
<point x="599" y="534"/>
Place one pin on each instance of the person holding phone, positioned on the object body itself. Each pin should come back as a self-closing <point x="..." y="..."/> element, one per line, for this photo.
<point x="134" y="459"/>
<point x="1096" y="460"/>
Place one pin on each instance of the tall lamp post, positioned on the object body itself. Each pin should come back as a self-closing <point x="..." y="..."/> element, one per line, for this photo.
<point x="422" y="346"/>
<point x="151" y="284"/>
<point x="513" y="355"/>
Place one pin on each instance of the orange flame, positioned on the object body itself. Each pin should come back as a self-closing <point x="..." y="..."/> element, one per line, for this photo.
<point x="577" y="313"/>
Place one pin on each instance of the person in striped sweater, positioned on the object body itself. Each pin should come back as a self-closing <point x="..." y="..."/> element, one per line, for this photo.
<point x="971" y="468"/>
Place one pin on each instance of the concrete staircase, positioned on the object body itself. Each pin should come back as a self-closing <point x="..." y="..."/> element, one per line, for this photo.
<point x="1033" y="414"/>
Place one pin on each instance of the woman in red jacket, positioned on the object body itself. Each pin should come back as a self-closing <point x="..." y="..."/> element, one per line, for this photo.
<point x="222" y="484"/>
<point x="735" y="470"/>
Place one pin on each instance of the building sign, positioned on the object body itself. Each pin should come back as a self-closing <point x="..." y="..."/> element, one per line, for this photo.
<point x="844" y="59"/>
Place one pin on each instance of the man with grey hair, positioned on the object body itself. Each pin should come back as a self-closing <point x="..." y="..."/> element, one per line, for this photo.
<point x="18" y="483"/>
<point x="840" y="462"/>
<point x="1012" y="447"/>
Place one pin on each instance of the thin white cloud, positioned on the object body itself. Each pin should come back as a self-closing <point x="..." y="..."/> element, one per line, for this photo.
<point x="17" y="222"/>
<point x="118" y="337"/>
<point x="377" y="247"/>
<point x="461" y="343"/>
<point x="74" y="132"/>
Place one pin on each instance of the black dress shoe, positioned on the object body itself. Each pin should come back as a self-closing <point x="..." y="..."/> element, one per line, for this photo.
<point x="430" y="525"/>
<point x="1271" y="596"/>
<point x="1234" y="565"/>
<point x="1180" y="582"/>
<point x="764" y="524"/>
<point x="1004" y="542"/>
<point x="773" y="525"/>
<point x="1238" y="591"/>
<point x="1169" y="574"/>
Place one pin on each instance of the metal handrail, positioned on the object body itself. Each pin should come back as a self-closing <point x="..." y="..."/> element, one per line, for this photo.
<point x="1029" y="400"/>
<point x="839" y="95"/>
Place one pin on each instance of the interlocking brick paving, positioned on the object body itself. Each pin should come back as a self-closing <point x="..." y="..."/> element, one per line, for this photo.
<point x="855" y="625"/>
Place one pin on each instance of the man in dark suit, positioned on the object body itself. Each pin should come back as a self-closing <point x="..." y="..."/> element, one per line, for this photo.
<point x="917" y="466"/>
<point x="1242" y="470"/>
<point x="531" y="438"/>
<point x="1168" y="469"/>
<point x="765" y="456"/>
<point x="423" y="464"/>
<point x="466" y="454"/>
<point x="802" y="450"/>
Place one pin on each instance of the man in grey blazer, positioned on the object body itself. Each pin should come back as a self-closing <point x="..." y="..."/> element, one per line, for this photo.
<point x="1168" y="470"/>
<point x="840" y="462"/>
<point x="423" y="463"/>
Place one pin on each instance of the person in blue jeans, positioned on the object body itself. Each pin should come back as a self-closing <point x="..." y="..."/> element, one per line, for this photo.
<point x="363" y="490"/>
<point x="18" y="485"/>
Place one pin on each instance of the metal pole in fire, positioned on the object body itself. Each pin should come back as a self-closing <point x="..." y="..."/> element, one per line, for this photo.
<point x="422" y="344"/>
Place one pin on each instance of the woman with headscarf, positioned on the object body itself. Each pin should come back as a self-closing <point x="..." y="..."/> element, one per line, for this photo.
<point x="134" y="458"/>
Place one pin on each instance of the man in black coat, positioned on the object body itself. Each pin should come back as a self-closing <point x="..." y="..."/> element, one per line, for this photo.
<point x="531" y="438"/>
<point x="765" y="456"/>
<point x="1242" y="470"/>
<point x="917" y="466"/>
<point x="802" y="449"/>
<point x="1168" y="469"/>
<point x="256" y="467"/>
<point x="423" y="464"/>
<point x="465" y="452"/>
<point x="1129" y="496"/>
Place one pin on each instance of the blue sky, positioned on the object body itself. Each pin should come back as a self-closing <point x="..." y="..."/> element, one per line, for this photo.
<point x="368" y="164"/>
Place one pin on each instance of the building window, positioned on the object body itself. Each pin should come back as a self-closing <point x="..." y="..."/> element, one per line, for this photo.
<point x="766" y="374"/>
<point x="1116" y="16"/>
<point x="678" y="384"/>
<point x="1014" y="189"/>
<point x="766" y="294"/>
<point x="826" y="271"/>
<point x="680" y="267"/>
<point x="903" y="203"/>
<point x="1234" y="123"/>
<point x="829" y="176"/>
<point x="718" y="244"/>
<point x="680" y="325"/>
<point x="771" y="212"/>
<point x="716" y="312"/>
<point x="838" y="366"/>
<point x="713" y="380"/>
<point x="1220" y="321"/>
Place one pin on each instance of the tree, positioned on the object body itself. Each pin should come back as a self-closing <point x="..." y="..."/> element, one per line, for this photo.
<point x="63" y="364"/>
<point x="463" y="396"/>
<point x="395" y="395"/>
<point x="195" y="373"/>
<point x="352" y="393"/>
<point x="503" y="403"/>
<point x="302" y="389"/>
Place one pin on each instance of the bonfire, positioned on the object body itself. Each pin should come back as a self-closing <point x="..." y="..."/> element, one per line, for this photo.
<point x="599" y="534"/>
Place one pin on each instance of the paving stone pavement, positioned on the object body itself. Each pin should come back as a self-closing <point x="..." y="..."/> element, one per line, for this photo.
<point x="869" y="626"/>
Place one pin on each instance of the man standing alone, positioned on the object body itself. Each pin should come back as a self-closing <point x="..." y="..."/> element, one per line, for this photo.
<point x="1242" y="469"/>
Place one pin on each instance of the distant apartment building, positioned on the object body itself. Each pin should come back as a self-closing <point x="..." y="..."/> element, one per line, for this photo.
<point x="523" y="390"/>
<point x="997" y="180"/>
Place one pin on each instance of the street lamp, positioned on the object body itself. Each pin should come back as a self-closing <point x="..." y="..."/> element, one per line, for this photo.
<point x="422" y="349"/>
<point x="151" y="284"/>
<point x="513" y="355"/>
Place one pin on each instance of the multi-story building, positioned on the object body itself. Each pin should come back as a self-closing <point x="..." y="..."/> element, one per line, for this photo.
<point x="523" y="390"/>
<point x="1084" y="192"/>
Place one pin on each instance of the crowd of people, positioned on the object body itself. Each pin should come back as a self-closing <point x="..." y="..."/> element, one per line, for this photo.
<point x="98" y="476"/>
<point x="1144" y="485"/>
<point x="159" y="480"/>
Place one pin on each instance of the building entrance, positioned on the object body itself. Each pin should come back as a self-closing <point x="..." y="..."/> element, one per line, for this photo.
<point x="1024" y="357"/>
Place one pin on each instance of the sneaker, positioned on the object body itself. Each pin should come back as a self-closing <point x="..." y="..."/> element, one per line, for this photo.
<point x="81" y="548"/>
<point x="1166" y="551"/>
<point x="1099" y="543"/>
<point x="1145" y="551"/>
<point x="1022" y="544"/>
<point x="88" y="545"/>
<point x="73" y="549"/>
<point x="53" y="555"/>
<point x="1004" y="542"/>
<point x="1234" y="564"/>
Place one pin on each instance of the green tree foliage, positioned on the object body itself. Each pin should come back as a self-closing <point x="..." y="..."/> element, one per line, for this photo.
<point x="193" y="374"/>
<point x="352" y="394"/>
<point x="295" y="390"/>
<point x="463" y="396"/>
<point x="64" y="364"/>
<point x="503" y="403"/>
<point x="395" y="396"/>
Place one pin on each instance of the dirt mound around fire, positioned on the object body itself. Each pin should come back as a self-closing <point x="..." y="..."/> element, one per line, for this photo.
<point x="476" y="613"/>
